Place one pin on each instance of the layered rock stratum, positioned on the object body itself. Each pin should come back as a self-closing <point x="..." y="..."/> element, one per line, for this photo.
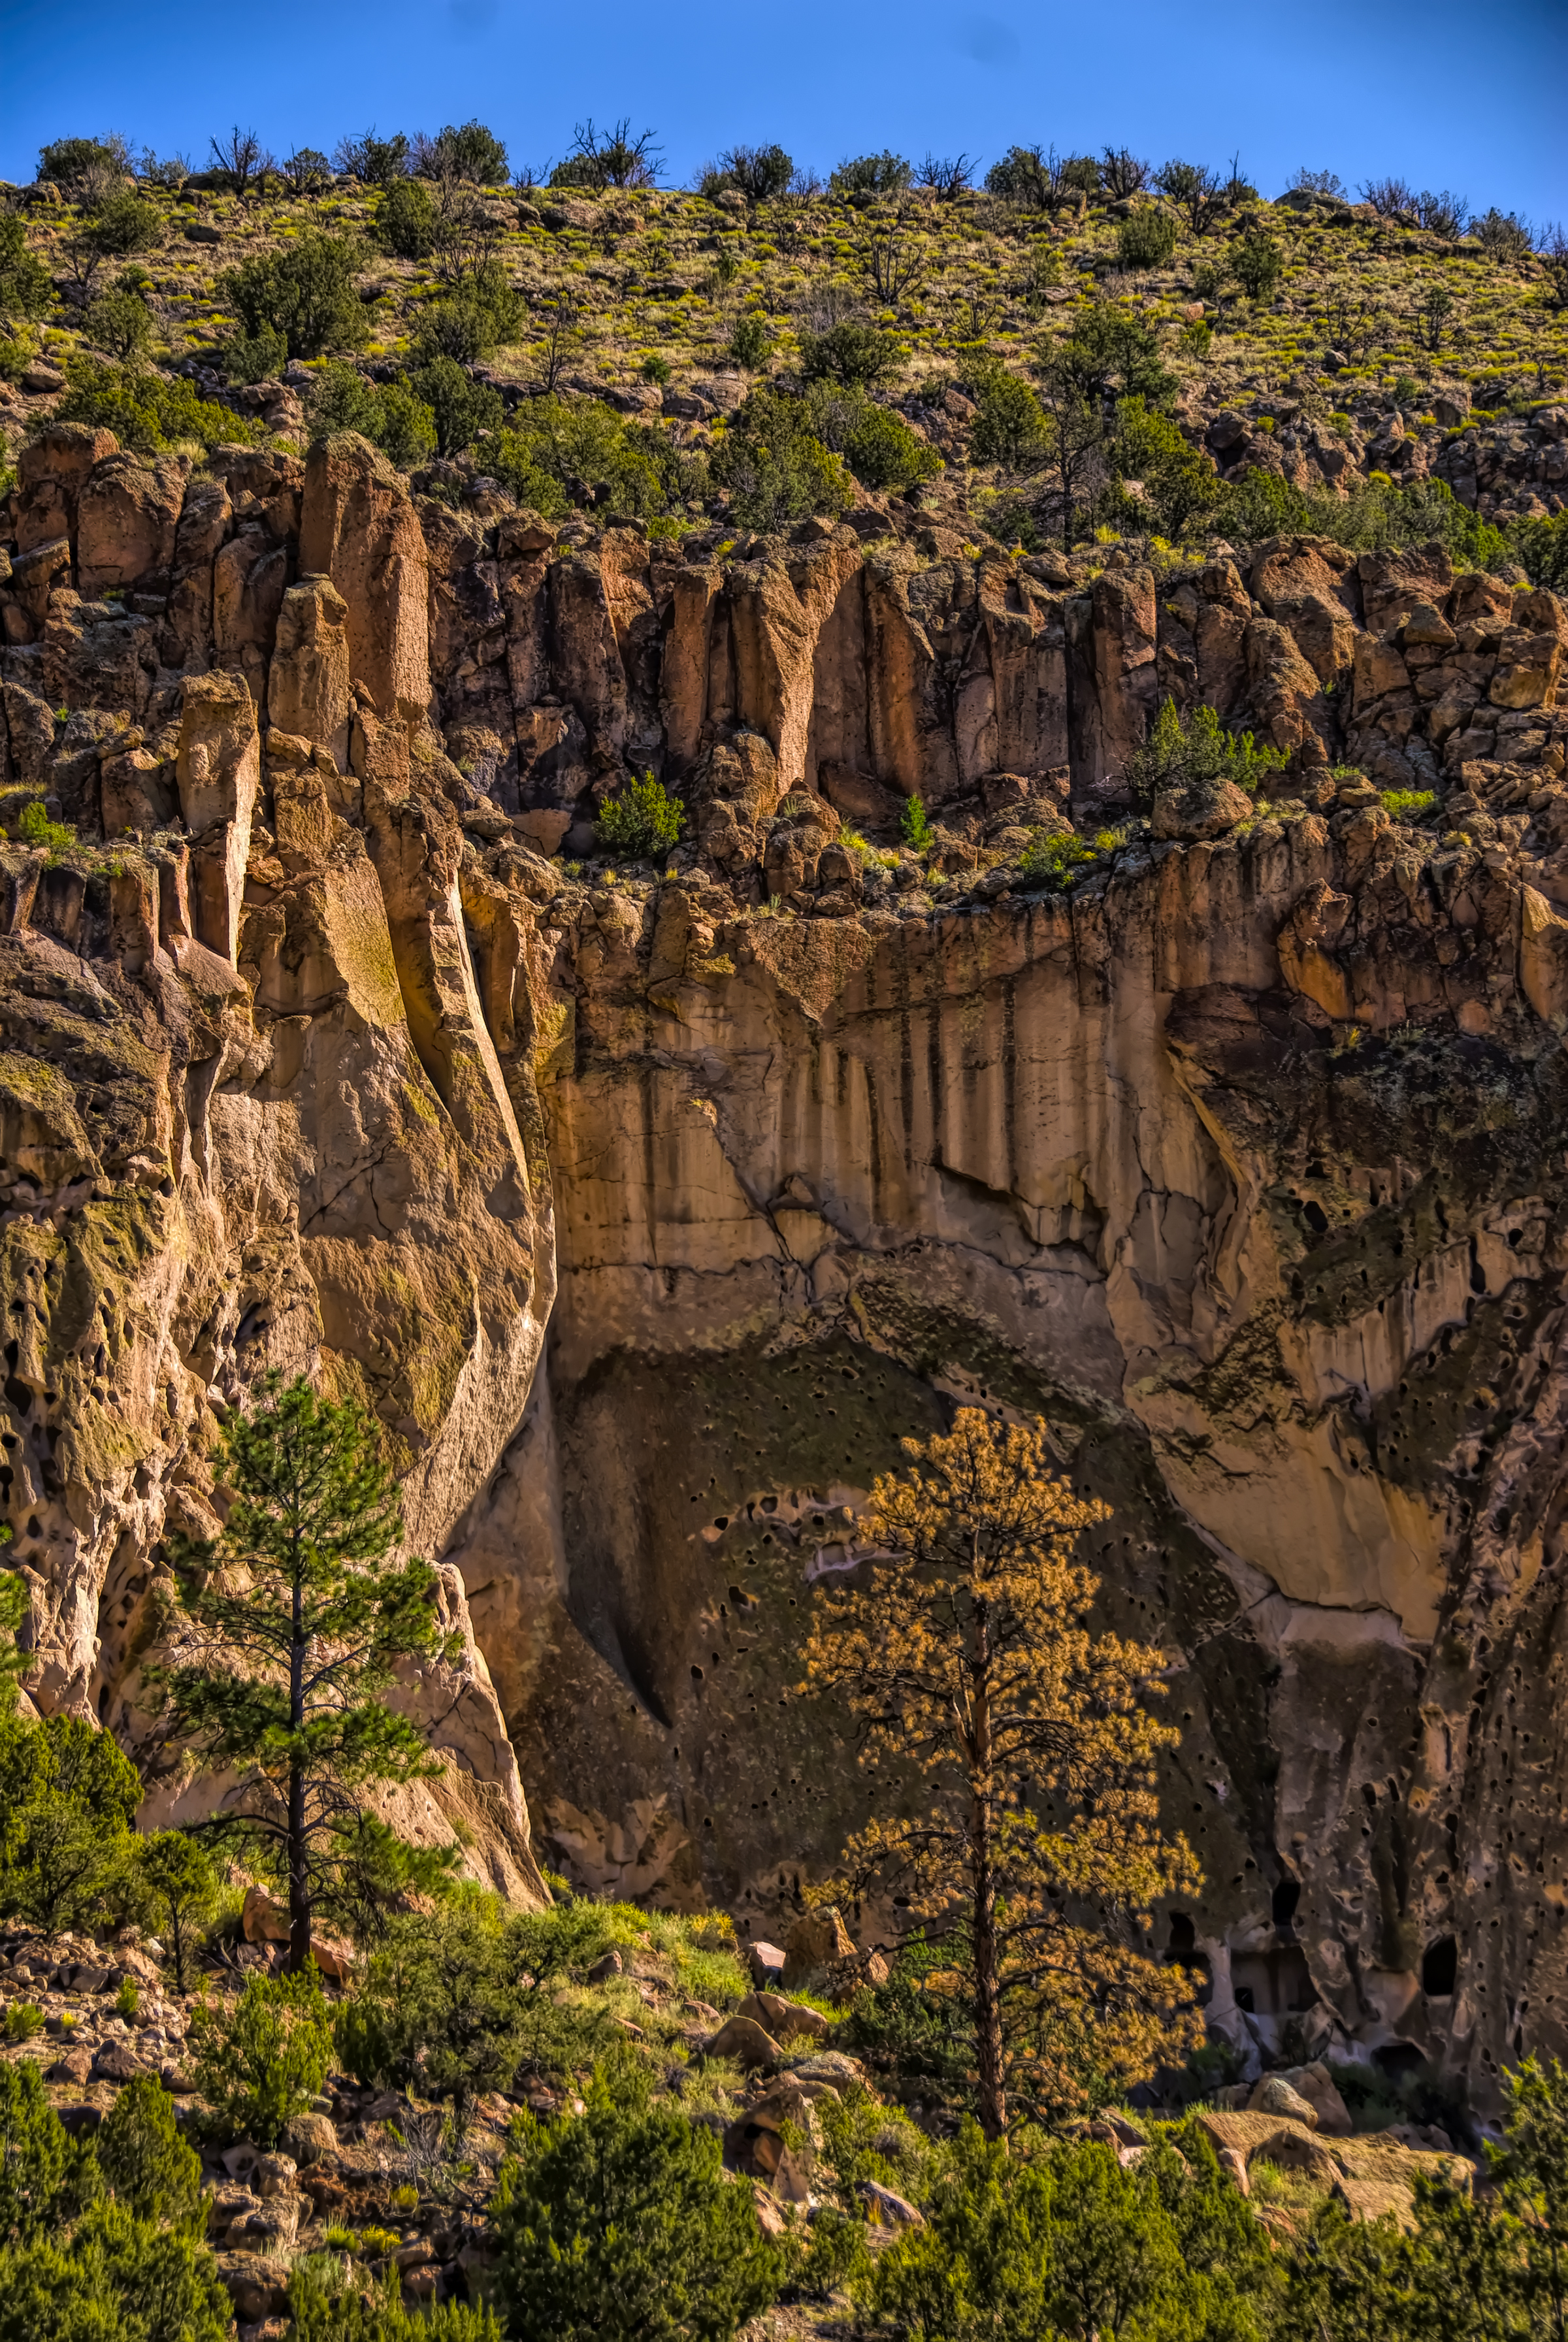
<point x="649" y="1210"/>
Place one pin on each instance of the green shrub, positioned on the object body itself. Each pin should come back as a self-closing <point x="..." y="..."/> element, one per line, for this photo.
<point x="551" y="444"/>
<point x="1054" y="860"/>
<point x="327" y="2304"/>
<point x="461" y="407"/>
<point x="834" y="2254"/>
<point x="179" y="1881"/>
<point x="123" y="224"/>
<point x="871" y="175"/>
<point x="776" y="466"/>
<point x="66" y="160"/>
<point x="45" y="2179"/>
<point x="654" y="368"/>
<point x="1375" y="517"/>
<point x="118" y="323"/>
<point x="378" y="162"/>
<point x="469" y="151"/>
<point x="1408" y="805"/>
<point x="116" y="2280"/>
<point x="751" y="344"/>
<point x="389" y="415"/>
<point x="464" y="1997"/>
<point x="619" y="2222"/>
<point x="68" y="1795"/>
<point x="1110" y="353"/>
<point x="306" y="291"/>
<point x="33" y="827"/>
<point x="1021" y="2243"/>
<point x="914" y="823"/>
<point x="405" y="220"/>
<point x="644" y="821"/>
<point x="255" y="357"/>
<point x="850" y="353"/>
<point x="471" y="324"/>
<point x="25" y="289"/>
<point x="1542" y="547"/>
<point x="1190" y="754"/>
<point x="24" y="2021"/>
<point x="146" y="2164"/>
<point x="882" y="452"/>
<point x="1257" y="264"/>
<point x="264" y="2060"/>
<point x="1024" y="175"/>
<point x="1011" y="426"/>
<point x="1181" y="484"/>
<point x="128" y="1998"/>
<point x="1147" y="239"/>
<point x="761" y="172"/>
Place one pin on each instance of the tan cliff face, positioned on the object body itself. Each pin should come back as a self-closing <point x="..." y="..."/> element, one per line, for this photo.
<point x="1243" y="1162"/>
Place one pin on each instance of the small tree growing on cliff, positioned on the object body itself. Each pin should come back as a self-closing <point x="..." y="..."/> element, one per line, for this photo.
<point x="969" y="1660"/>
<point x="293" y="1622"/>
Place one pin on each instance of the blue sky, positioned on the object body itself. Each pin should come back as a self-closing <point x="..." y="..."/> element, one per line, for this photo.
<point x="1446" y="95"/>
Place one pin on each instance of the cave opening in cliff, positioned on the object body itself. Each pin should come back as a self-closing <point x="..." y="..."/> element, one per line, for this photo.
<point x="1272" y="1983"/>
<point x="1440" y="1969"/>
<point x="1285" y="1897"/>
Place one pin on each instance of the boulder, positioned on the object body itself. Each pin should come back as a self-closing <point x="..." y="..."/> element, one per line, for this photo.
<point x="1201" y="809"/>
<point x="76" y="2066"/>
<point x="1315" y="2084"/>
<point x="775" y="2140"/>
<point x="128" y="515"/>
<point x="257" y="2290"/>
<point x="766" y="1962"/>
<point x="786" y="2020"/>
<point x="51" y="471"/>
<point x="814" y="1942"/>
<point x="117" y="2062"/>
<point x="602" y="1970"/>
<point x="884" y="2209"/>
<point x="827" y="2065"/>
<point x="1275" y="2095"/>
<point x="274" y="2174"/>
<point x="310" y="2139"/>
<point x="744" y="2040"/>
<point x="263" y="1921"/>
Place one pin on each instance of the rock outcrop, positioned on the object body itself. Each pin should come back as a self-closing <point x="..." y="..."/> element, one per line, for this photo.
<point x="1243" y="1160"/>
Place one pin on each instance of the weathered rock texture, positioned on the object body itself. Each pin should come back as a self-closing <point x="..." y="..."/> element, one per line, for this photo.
<point x="1246" y="1162"/>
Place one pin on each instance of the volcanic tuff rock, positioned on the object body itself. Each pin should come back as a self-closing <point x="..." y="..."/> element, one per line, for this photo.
<point x="1244" y="1161"/>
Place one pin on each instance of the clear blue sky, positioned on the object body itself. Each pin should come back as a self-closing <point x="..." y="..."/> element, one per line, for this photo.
<point x="1461" y="96"/>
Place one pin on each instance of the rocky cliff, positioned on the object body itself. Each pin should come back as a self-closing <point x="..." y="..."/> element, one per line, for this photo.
<point x="650" y="1208"/>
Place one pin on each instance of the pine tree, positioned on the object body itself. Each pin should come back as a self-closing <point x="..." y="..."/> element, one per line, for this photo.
<point x="292" y="1621"/>
<point x="179" y="1877"/>
<point x="967" y="1658"/>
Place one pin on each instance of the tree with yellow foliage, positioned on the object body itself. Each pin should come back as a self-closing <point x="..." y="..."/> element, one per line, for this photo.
<point x="969" y="1656"/>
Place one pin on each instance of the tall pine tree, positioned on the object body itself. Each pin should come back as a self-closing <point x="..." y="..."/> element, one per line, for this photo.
<point x="292" y="1623"/>
<point x="969" y="1663"/>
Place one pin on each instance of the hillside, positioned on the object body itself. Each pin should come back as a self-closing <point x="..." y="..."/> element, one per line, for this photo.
<point x="1318" y="342"/>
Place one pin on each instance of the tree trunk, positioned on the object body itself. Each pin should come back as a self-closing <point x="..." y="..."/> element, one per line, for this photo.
<point x="298" y="1878"/>
<point x="987" y="1998"/>
<point x="298" y="1874"/>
